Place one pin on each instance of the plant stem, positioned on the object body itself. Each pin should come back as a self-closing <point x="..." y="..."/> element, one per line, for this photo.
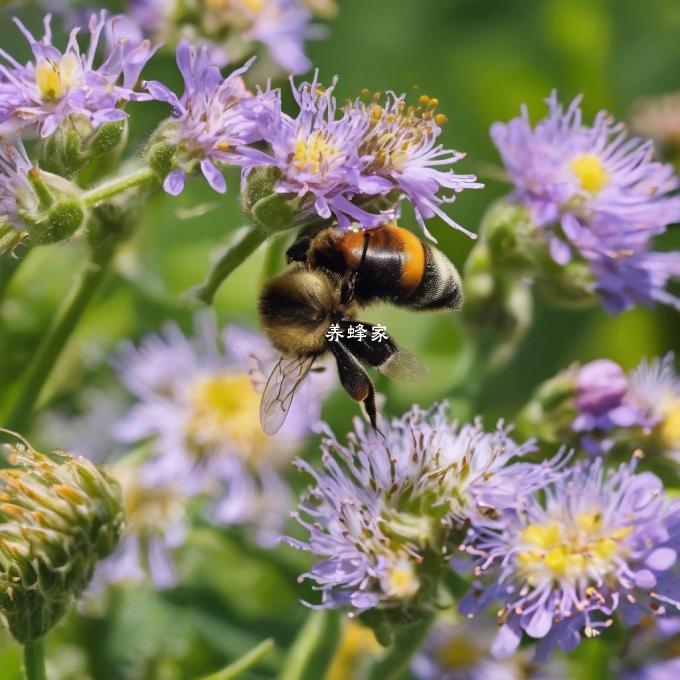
<point x="53" y="342"/>
<point x="407" y="641"/>
<point x="237" y="252"/>
<point x="9" y="264"/>
<point x="34" y="660"/>
<point x="314" y="647"/>
<point x="243" y="664"/>
<point x="117" y="186"/>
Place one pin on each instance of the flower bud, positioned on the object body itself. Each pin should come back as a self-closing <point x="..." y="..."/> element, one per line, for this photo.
<point x="78" y="144"/>
<point x="260" y="183"/>
<point x="160" y="153"/>
<point x="550" y="413"/>
<point x="60" y="515"/>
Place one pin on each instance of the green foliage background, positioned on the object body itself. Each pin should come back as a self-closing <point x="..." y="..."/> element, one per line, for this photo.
<point x="482" y="59"/>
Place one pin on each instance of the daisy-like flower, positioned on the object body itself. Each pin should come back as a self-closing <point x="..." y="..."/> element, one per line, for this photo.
<point x="232" y="29"/>
<point x="16" y="193"/>
<point x="400" y="145"/>
<point x="591" y="543"/>
<point x="209" y="120"/>
<point x="381" y="511"/>
<point x="461" y="650"/>
<point x="594" y="192"/>
<point x="655" y="393"/>
<point x="157" y="525"/>
<point x="197" y="400"/>
<point x="353" y="164"/>
<point x="55" y="84"/>
<point x="317" y="154"/>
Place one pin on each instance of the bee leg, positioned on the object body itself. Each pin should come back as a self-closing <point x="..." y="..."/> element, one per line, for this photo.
<point x="355" y="380"/>
<point x="349" y="281"/>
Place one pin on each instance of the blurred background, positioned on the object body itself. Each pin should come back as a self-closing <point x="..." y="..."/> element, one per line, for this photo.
<point x="482" y="59"/>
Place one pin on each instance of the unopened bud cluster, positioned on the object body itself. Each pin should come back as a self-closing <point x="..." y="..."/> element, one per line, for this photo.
<point x="59" y="515"/>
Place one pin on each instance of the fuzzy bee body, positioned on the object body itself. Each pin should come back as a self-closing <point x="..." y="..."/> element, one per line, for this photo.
<point x="330" y="275"/>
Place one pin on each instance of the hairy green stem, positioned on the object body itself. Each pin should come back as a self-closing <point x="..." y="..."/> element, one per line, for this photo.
<point x="54" y="341"/>
<point x="117" y="186"/>
<point x="314" y="647"/>
<point x="243" y="664"/>
<point x="34" y="661"/>
<point x="407" y="641"/>
<point x="237" y="252"/>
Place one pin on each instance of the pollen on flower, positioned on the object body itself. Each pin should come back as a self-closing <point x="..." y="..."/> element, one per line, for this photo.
<point x="402" y="582"/>
<point x="669" y="428"/>
<point x="54" y="79"/>
<point x="225" y="406"/>
<point x="315" y="152"/>
<point x="573" y="549"/>
<point x="590" y="172"/>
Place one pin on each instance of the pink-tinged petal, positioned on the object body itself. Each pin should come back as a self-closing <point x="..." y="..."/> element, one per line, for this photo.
<point x="506" y="642"/>
<point x="174" y="182"/>
<point x="214" y="176"/>
<point x="661" y="559"/>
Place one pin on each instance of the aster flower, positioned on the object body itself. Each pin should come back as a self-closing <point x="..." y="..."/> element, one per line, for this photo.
<point x="400" y="146"/>
<point x="157" y="524"/>
<point x="55" y="85"/>
<point x="598" y="194"/>
<point x="600" y="542"/>
<point x="197" y="402"/>
<point x="209" y="120"/>
<point x="380" y="512"/>
<point x="16" y="193"/>
<point x="655" y="393"/>
<point x="353" y="164"/>
<point x="232" y="29"/>
<point x="461" y="650"/>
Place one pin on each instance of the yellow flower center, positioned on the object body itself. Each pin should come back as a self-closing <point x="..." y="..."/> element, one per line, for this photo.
<point x="402" y="582"/>
<point x="569" y="551"/>
<point x="669" y="429"/>
<point x="225" y="409"/>
<point x="310" y="154"/>
<point x="54" y="79"/>
<point x="590" y="172"/>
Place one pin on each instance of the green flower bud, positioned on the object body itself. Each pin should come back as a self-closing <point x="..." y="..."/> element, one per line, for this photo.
<point x="59" y="515"/>
<point x="78" y="144"/>
<point x="260" y="184"/>
<point x="551" y="410"/>
<point x="570" y="285"/>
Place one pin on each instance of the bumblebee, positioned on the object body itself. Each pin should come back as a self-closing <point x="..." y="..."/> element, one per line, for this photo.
<point x="330" y="276"/>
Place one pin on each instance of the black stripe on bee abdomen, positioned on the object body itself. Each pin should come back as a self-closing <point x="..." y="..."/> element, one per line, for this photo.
<point x="441" y="286"/>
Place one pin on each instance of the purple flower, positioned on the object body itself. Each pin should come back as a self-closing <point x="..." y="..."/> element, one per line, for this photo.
<point x="41" y="94"/>
<point x="210" y="119"/>
<point x="596" y="193"/>
<point x="385" y="501"/>
<point x="400" y="146"/>
<point x="197" y="402"/>
<point x="157" y="525"/>
<point x="352" y="165"/>
<point x="16" y="193"/>
<point x="317" y="155"/>
<point x="610" y="403"/>
<point x="282" y="26"/>
<point x="599" y="542"/>
<point x="461" y="650"/>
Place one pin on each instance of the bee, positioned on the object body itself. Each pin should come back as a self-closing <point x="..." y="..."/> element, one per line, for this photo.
<point x="330" y="276"/>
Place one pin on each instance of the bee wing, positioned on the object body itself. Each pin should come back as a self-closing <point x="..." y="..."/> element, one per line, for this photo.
<point x="402" y="365"/>
<point x="280" y="389"/>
